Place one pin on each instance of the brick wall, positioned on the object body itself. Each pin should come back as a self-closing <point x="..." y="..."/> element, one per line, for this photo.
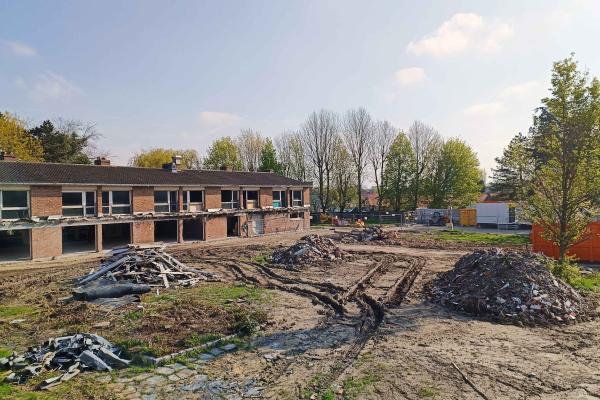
<point x="46" y="242"/>
<point x="212" y="197"/>
<point x="216" y="228"/>
<point x="143" y="199"/>
<point x="306" y="196"/>
<point x="281" y="222"/>
<point x="142" y="232"/>
<point x="46" y="200"/>
<point x="266" y="197"/>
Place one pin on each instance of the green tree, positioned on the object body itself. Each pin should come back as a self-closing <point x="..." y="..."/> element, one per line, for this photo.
<point x="17" y="141"/>
<point x="343" y="175"/>
<point x="156" y="158"/>
<point x="455" y="177"/>
<point x="566" y="151"/>
<point x="513" y="170"/>
<point x="398" y="174"/>
<point x="268" y="158"/>
<point x="65" y="141"/>
<point x="223" y="152"/>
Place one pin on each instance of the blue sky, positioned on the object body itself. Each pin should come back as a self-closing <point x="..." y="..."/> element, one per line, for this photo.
<point x="181" y="73"/>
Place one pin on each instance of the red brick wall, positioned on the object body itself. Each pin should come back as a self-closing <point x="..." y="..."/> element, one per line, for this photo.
<point x="281" y="222"/>
<point x="46" y="242"/>
<point x="46" y="200"/>
<point x="266" y="197"/>
<point x="212" y="197"/>
<point x="216" y="228"/>
<point x="142" y="232"/>
<point x="306" y="196"/>
<point x="143" y="199"/>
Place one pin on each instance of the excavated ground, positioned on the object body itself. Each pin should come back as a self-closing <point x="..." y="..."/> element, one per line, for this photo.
<point x="364" y="329"/>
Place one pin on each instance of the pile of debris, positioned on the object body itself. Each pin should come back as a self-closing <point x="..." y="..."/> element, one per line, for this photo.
<point x="510" y="287"/>
<point x="68" y="354"/>
<point x="309" y="248"/>
<point x="148" y="265"/>
<point x="369" y="234"/>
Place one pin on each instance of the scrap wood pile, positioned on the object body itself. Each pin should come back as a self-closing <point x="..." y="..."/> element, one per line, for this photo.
<point x="309" y="248"/>
<point x="68" y="354"/>
<point x="369" y="234"/>
<point x="148" y="265"/>
<point x="510" y="287"/>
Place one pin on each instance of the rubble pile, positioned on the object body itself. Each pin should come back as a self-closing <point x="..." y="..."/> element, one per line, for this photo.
<point x="68" y="354"/>
<point x="148" y="265"/>
<point x="511" y="287"/>
<point x="309" y="248"/>
<point x="369" y="234"/>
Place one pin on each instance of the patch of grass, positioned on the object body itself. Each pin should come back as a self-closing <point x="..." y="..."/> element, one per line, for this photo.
<point x="247" y="321"/>
<point x="482" y="238"/>
<point x="261" y="259"/>
<point x="198" y="340"/>
<point x="355" y="386"/>
<point x="16" y="312"/>
<point x="133" y="315"/>
<point x="136" y="346"/>
<point x="221" y="294"/>
<point x="427" y="392"/>
<point x="570" y="272"/>
<point x="5" y="352"/>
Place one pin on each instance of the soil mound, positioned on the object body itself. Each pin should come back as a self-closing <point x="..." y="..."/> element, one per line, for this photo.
<point x="310" y="248"/>
<point x="510" y="287"/>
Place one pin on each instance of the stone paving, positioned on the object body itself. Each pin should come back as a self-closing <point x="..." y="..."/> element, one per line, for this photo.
<point x="179" y="381"/>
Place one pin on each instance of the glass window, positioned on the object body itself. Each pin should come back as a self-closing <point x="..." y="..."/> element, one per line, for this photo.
<point x="196" y="196"/>
<point x="78" y="204"/>
<point x="230" y="199"/>
<point x="72" y="199"/>
<point x="161" y="197"/>
<point x="252" y="195"/>
<point x="14" y="204"/>
<point x="279" y="198"/>
<point x="297" y="198"/>
<point x="120" y="197"/>
<point x="116" y="202"/>
<point x="165" y="201"/>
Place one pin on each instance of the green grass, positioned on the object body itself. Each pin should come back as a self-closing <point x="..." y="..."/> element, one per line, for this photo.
<point x="4" y="352"/>
<point x="427" y="392"/>
<point x="133" y="315"/>
<point x="587" y="282"/>
<point x="482" y="238"/>
<point x="570" y="272"/>
<point x="16" y="312"/>
<point x="261" y="259"/>
<point x="355" y="386"/>
<point x="198" y="340"/>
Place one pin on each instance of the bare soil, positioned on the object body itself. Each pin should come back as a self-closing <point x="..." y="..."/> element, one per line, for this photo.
<point x="362" y="328"/>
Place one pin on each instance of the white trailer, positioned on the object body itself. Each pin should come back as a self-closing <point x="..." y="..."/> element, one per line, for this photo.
<point x="501" y="213"/>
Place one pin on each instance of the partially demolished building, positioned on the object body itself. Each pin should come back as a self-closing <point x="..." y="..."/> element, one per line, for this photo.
<point x="51" y="209"/>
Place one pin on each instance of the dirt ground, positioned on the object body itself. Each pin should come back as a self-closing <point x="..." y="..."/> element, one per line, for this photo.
<point x="362" y="328"/>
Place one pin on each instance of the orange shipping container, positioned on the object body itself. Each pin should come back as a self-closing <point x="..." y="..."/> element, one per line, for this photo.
<point x="587" y="250"/>
<point x="468" y="217"/>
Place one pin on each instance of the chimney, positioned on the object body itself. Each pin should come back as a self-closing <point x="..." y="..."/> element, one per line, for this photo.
<point x="172" y="166"/>
<point x="102" y="161"/>
<point x="227" y="168"/>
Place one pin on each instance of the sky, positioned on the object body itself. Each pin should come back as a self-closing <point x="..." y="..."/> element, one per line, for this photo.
<point x="179" y="74"/>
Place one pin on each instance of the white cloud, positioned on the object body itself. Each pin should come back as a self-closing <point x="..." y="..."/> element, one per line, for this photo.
<point x="20" y="49"/>
<point x="463" y="31"/>
<point x="407" y="76"/>
<point x="485" y="109"/>
<point x="521" y="89"/>
<point x="216" y="119"/>
<point x="52" y="86"/>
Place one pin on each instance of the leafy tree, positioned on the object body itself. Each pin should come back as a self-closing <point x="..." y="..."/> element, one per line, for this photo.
<point x="291" y="154"/>
<point x="399" y="173"/>
<point x="223" y="152"/>
<point x="513" y="169"/>
<point x="268" y="158"/>
<point x="65" y="141"/>
<point x="156" y="158"/>
<point x="343" y="175"/>
<point x="17" y="141"/>
<point x="425" y="142"/>
<point x="455" y="178"/>
<point x="566" y="147"/>
<point x="250" y="144"/>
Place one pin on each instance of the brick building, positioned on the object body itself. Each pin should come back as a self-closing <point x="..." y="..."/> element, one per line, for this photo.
<point x="51" y="209"/>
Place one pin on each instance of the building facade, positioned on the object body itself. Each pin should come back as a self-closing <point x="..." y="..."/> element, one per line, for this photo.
<point x="47" y="210"/>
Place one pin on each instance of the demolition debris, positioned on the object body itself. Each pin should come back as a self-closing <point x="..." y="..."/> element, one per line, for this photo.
<point x="309" y="248"/>
<point x="68" y="354"/>
<point x="509" y="287"/>
<point x="369" y="234"/>
<point x="148" y="265"/>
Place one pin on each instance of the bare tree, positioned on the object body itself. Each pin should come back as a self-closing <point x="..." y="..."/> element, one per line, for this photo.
<point x="343" y="173"/>
<point x="424" y="140"/>
<point x="250" y="144"/>
<point x="379" y="148"/>
<point x="319" y="132"/>
<point x="358" y="129"/>
<point x="291" y="154"/>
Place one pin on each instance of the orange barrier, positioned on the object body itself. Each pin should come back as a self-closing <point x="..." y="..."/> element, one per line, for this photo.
<point x="587" y="250"/>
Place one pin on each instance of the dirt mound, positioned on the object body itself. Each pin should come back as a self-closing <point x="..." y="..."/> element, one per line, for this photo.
<point x="310" y="248"/>
<point x="370" y="234"/>
<point x="510" y="287"/>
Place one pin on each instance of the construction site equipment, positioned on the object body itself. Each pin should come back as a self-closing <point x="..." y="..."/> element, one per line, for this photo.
<point x="438" y="219"/>
<point x="468" y="217"/>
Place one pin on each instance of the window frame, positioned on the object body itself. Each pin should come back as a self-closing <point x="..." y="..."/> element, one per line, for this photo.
<point x="187" y="203"/>
<point x="299" y="215"/>
<point x="300" y="201"/>
<point x="2" y="208"/>
<point x="256" y="202"/>
<point x="282" y="202"/>
<point x="234" y="204"/>
<point x="83" y="206"/>
<point x="171" y="205"/>
<point x="111" y="204"/>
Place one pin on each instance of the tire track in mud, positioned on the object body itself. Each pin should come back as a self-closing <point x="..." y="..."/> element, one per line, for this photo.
<point x="372" y="310"/>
